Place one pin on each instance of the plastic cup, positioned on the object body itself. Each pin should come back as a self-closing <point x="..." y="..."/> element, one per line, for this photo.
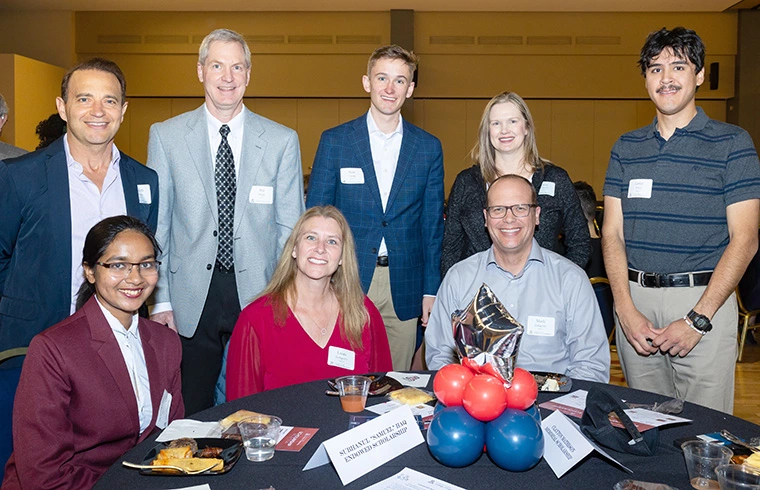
<point x="353" y="392"/>
<point x="738" y="477"/>
<point x="259" y="434"/>
<point x="701" y="460"/>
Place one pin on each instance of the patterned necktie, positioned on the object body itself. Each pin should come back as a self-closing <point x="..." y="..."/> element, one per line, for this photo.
<point x="225" y="198"/>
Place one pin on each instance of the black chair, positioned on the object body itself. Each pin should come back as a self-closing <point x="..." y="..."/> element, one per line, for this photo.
<point x="8" y="382"/>
<point x="603" y="293"/>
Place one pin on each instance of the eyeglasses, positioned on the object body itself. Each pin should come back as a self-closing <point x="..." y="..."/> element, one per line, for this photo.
<point x="518" y="210"/>
<point x="124" y="269"/>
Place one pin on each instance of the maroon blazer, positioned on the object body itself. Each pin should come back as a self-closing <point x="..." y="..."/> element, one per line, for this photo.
<point x="75" y="411"/>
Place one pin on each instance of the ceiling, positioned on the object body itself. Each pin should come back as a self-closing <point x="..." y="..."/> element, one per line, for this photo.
<point x="384" y="5"/>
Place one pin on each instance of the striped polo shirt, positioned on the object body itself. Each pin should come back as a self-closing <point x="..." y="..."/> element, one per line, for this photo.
<point x="693" y="176"/>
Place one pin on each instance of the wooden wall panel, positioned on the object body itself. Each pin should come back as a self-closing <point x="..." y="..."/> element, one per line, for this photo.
<point x="446" y="119"/>
<point x="573" y="137"/>
<point x="142" y="114"/>
<point x="314" y="116"/>
<point x="36" y="85"/>
<point x="612" y="118"/>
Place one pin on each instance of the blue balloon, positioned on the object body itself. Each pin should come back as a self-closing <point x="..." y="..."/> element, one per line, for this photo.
<point x="515" y="441"/>
<point x="534" y="412"/>
<point x="455" y="438"/>
<point x="438" y="407"/>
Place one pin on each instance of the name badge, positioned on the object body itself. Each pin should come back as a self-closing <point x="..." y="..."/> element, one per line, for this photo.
<point x="640" y="188"/>
<point x="341" y="358"/>
<point x="351" y="176"/>
<point x="261" y="194"/>
<point x="143" y="193"/>
<point x="541" y="326"/>
<point x="547" y="189"/>
<point x="162" y="419"/>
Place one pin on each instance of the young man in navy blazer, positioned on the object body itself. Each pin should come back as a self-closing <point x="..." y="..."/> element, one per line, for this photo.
<point x="386" y="176"/>
<point x="52" y="197"/>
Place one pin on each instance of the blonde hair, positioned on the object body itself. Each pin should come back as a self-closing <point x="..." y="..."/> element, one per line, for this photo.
<point x="393" y="52"/>
<point x="483" y="152"/>
<point x="345" y="281"/>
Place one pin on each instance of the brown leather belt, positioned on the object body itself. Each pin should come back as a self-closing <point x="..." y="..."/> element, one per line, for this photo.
<point x="681" y="280"/>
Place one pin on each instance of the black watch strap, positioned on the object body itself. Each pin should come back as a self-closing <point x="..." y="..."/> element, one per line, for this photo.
<point x="700" y="322"/>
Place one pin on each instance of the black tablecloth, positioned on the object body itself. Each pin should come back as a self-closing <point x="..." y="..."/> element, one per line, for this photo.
<point x="306" y="405"/>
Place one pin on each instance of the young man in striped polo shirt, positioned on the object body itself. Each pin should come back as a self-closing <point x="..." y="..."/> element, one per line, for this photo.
<point x="680" y="226"/>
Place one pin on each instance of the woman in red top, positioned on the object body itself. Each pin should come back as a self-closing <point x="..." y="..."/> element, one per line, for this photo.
<point x="312" y="321"/>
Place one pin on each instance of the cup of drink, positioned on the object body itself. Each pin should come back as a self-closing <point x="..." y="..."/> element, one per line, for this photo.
<point x="701" y="460"/>
<point x="259" y="434"/>
<point x="353" y="392"/>
<point x="738" y="477"/>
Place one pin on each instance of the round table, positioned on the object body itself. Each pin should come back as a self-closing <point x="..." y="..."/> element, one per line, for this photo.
<point x="306" y="405"/>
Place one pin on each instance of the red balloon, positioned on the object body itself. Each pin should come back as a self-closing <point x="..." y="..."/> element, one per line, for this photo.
<point x="524" y="390"/>
<point x="449" y="384"/>
<point x="485" y="397"/>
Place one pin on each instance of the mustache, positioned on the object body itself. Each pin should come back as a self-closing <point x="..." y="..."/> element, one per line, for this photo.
<point x="668" y="87"/>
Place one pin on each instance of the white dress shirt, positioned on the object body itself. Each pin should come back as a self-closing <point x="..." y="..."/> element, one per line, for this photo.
<point x="131" y="348"/>
<point x="385" y="150"/>
<point x="89" y="206"/>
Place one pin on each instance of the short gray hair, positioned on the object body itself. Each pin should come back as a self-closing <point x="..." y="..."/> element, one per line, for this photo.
<point x="3" y="106"/>
<point x="224" y="36"/>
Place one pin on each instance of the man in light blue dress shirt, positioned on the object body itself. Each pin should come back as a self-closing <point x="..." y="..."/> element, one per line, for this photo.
<point x="548" y="294"/>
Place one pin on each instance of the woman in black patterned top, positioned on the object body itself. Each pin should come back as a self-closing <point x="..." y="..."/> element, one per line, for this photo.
<point x="507" y="145"/>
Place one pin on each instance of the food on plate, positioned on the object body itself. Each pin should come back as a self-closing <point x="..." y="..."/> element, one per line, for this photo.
<point x="190" y="464"/>
<point x="236" y="417"/>
<point x="175" y="453"/>
<point x="185" y="441"/>
<point x="550" y="381"/>
<point x="209" y="452"/>
<point x="753" y="461"/>
<point x="410" y="396"/>
<point x="184" y="453"/>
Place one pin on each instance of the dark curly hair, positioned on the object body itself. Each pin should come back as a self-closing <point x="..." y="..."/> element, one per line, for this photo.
<point x="685" y="43"/>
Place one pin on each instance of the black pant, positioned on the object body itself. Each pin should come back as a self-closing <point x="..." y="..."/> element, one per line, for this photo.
<point x="202" y="353"/>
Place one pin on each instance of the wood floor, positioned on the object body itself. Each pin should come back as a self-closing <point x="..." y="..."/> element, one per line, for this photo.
<point x="747" y="392"/>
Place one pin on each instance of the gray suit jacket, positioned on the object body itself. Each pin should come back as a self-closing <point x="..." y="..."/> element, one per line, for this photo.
<point x="178" y="150"/>
<point x="10" y="151"/>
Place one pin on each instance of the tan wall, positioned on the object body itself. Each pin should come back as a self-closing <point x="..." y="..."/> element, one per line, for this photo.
<point x="577" y="70"/>
<point x="45" y="36"/>
<point x="30" y="87"/>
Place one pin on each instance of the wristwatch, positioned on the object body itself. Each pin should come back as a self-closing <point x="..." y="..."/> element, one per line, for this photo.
<point x="699" y="322"/>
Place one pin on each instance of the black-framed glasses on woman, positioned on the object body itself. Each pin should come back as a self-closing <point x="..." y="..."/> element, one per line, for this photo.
<point x="518" y="210"/>
<point x="124" y="269"/>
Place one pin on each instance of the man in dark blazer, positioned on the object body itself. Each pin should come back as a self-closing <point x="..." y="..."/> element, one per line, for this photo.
<point x="386" y="176"/>
<point x="204" y="285"/>
<point x="76" y="411"/>
<point x="46" y="214"/>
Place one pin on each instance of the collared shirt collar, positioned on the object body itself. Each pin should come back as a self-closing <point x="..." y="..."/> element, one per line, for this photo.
<point x="115" y="156"/>
<point x="373" y="129"/>
<point x="536" y="255"/>
<point x="235" y="124"/>
<point x="116" y="325"/>
<point x="697" y="123"/>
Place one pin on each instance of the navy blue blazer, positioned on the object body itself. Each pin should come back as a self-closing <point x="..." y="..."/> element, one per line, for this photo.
<point x="412" y="223"/>
<point x="35" y="238"/>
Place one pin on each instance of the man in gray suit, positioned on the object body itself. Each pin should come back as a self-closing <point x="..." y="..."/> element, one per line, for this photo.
<point x="6" y="150"/>
<point x="231" y="190"/>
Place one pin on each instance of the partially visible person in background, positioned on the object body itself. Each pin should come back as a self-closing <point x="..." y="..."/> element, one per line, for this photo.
<point x="6" y="150"/>
<point x="507" y="145"/>
<point x="50" y="129"/>
<point x="587" y="196"/>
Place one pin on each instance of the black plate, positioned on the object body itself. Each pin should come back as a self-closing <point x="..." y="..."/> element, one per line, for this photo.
<point x="232" y="450"/>
<point x="565" y="383"/>
<point x="378" y="381"/>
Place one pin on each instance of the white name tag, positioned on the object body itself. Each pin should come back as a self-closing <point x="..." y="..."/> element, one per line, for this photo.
<point x="351" y="176"/>
<point x="541" y="326"/>
<point x="162" y="419"/>
<point x="547" y="189"/>
<point x="341" y="358"/>
<point x="261" y="194"/>
<point x="143" y="193"/>
<point x="640" y="188"/>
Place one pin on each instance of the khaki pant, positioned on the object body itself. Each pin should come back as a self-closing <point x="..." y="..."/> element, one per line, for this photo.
<point x="402" y="334"/>
<point x="706" y="375"/>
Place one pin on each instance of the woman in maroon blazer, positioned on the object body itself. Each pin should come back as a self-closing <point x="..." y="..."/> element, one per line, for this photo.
<point x="101" y="381"/>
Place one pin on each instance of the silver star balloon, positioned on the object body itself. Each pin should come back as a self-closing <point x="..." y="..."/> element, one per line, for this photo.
<point x="487" y="335"/>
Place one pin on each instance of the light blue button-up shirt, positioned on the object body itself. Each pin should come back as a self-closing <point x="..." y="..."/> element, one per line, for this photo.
<point x="552" y="298"/>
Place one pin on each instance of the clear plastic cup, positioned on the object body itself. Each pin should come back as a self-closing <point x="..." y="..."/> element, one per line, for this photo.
<point x="259" y="434"/>
<point x="701" y="460"/>
<point x="738" y="477"/>
<point x="353" y="392"/>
